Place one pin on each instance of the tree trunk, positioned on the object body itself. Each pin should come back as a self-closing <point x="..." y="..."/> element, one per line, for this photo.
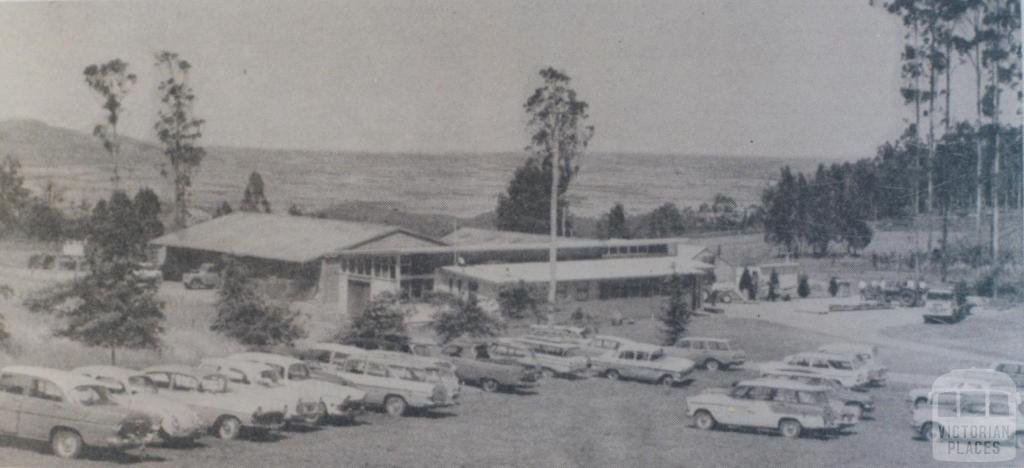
<point x="553" y="253"/>
<point x="979" y="193"/>
<point x="113" y="356"/>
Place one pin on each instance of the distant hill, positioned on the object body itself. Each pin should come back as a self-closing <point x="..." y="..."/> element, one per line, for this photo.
<point x="363" y="185"/>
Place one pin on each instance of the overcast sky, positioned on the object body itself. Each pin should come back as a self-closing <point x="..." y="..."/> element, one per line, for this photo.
<point x="814" y="78"/>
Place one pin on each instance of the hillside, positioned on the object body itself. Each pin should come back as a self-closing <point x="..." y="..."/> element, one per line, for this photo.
<point x="455" y="185"/>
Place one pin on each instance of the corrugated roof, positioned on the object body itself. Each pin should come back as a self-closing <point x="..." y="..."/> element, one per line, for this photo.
<point x="478" y="236"/>
<point x="685" y="247"/>
<point x="582" y="270"/>
<point x="278" y="237"/>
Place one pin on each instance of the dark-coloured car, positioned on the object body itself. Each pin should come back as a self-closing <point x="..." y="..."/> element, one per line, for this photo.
<point x="490" y="365"/>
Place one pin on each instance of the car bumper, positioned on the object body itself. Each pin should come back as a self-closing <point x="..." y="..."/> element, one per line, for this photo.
<point x="348" y="409"/>
<point x="123" y="442"/>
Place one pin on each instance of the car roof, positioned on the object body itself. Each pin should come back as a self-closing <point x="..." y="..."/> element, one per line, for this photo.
<point x="402" y="359"/>
<point x="847" y="347"/>
<point x="248" y="367"/>
<point x="1006" y="361"/>
<point x="173" y="369"/>
<point x="276" y="359"/>
<point x="534" y="340"/>
<point x="634" y="346"/>
<point x="703" y="338"/>
<point x="781" y="383"/>
<point x="614" y="338"/>
<point x="816" y="354"/>
<point x="335" y="347"/>
<point x="120" y="373"/>
<point x="62" y="378"/>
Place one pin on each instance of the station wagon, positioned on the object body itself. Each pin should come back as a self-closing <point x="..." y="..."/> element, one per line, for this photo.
<point x="390" y="385"/>
<point x="557" y="359"/>
<point x="790" y="407"/>
<point x="847" y="372"/>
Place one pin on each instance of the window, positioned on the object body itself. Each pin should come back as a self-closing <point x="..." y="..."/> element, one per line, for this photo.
<point x="811" y="398"/>
<point x="761" y="393"/>
<point x="298" y="371"/>
<point x="843" y="365"/>
<point x="786" y="396"/>
<point x="161" y="380"/>
<point x="376" y="370"/>
<point x="739" y="392"/>
<point x="113" y="385"/>
<point x="15" y="384"/>
<point x="642" y="356"/>
<point x="46" y="390"/>
<point x="698" y="345"/>
<point x="582" y="293"/>
<point x="718" y="346"/>
<point x="945" y="404"/>
<point x="236" y="376"/>
<point x="355" y="367"/>
<point x="185" y="382"/>
<point x="684" y="344"/>
<point x="143" y="383"/>
<point x="626" y="355"/>
<point x="89" y="395"/>
<point x="999" y="404"/>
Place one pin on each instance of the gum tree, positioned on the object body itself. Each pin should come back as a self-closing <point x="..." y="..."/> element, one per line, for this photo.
<point x="112" y="81"/>
<point x="178" y="129"/>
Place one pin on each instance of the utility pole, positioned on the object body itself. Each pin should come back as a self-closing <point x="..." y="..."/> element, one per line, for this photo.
<point x="553" y="250"/>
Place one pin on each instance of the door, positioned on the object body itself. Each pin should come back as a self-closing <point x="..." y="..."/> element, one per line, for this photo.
<point x="358" y="296"/>
<point x="43" y="408"/>
<point x="759" y="407"/>
<point x="12" y="390"/>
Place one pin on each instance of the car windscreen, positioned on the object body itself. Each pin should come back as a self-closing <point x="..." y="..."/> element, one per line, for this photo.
<point x="807" y="397"/>
<point x="298" y="371"/>
<point x="142" y="382"/>
<point x="658" y="355"/>
<point x="842" y="365"/>
<point x="91" y="395"/>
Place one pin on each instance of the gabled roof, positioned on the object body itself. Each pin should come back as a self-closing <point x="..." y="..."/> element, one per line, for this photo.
<point x="297" y="239"/>
<point x="478" y="236"/>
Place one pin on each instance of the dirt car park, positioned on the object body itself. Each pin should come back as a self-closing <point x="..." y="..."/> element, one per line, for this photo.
<point x="595" y="421"/>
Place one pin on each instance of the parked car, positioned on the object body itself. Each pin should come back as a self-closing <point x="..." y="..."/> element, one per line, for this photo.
<point x="598" y="345"/>
<point x="328" y="353"/>
<point x="70" y="411"/>
<point x="867" y="355"/>
<point x="960" y="379"/>
<point x="338" y="400"/>
<point x="1014" y="369"/>
<point x="943" y="307"/>
<point x="388" y="384"/>
<point x="207" y="276"/>
<point x="396" y="343"/>
<point x="790" y="407"/>
<point x="710" y="353"/>
<point x="557" y="359"/>
<point x="986" y="412"/>
<point x="642" y="362"/>
<point x="432" y="369"/>
<point x="847" y="372"/>
<point x="262" y="380"/>
<point x="853" y="403"/>
<point x="132" y="389"/>
<point x="225" y="409"/>
<point x="149" y="273"/>
<point x="559" y="333"/>
<point x="490" y="365"/>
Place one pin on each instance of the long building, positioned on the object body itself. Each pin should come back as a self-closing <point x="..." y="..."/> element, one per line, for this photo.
<point x="346" y="263"/>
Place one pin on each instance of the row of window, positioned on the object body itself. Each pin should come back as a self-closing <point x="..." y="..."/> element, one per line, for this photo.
<point x="637" y="250"/>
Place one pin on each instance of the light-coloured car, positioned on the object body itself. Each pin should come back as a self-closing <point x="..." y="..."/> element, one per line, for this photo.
<point x="598" y="345"/>
<point x="1014" y="369"/>
<point x="710" y="353"/>
<point x="559" y="333"/>
<point x="848" y="372"/>
<point x="431" y="369"/>
<point x="851" y="402"/>
<point x="867" y="355"/>
<point x="389" y="385"/>
<point x="263" y="381"/>
<point x="70" y="411"/>
<point x="986" y="412"/>
<point x="338" y="400"/>
<point x="134" y="390"/>
<point x="791" y="407"/>
<point x="959" y="379"/>
<point x="557" y="359"/>
<point x="207" y="276"/>
<point x="642" y="362"/>
<point x="225" y="409"/>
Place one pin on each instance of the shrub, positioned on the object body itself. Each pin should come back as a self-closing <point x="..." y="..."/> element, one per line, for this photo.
<point x="243" y="313"/>
<point x="381" y="318"/>
<point x="519" y="301"/>
<point x="465" y="318"/>
<point x="676" y="314"/>
<point x="833" y="286"/>
<point x="803" y="289"/>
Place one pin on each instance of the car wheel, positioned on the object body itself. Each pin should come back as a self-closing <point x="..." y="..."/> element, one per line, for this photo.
<point x="612" y="374"/>
<point x="856" y="410"/>
<point x="712" y="365"/>
<point x="66" y="443"/>
<point x="489" y="385"/>
<point x="931" y="432"/>
<point x="667" y="380"/>
<point x="704" y="421"/>
<point x="394" y="406"/>
<point x="920" y="403"/>
<point x="229" y="428"/>
<point x="790" y="429"/>
<point x="194" y="284"/>
<point x="725" y="299"/>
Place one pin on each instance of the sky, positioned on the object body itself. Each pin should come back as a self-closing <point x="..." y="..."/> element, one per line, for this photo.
<point x="792" y="78"/>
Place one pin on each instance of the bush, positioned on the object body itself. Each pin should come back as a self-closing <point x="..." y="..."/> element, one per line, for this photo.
<point x="243" y="313"/>
<point x="382" y="317"/>
<point x="833" y="286"/>
<point x="803" y="289"/>
<point x="519" y="301"/>
<point x="465" y="318"/>
<point x="676" y="314"/>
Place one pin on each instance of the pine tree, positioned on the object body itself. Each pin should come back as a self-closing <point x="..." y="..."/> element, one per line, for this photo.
<point x="675" y="317"/>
